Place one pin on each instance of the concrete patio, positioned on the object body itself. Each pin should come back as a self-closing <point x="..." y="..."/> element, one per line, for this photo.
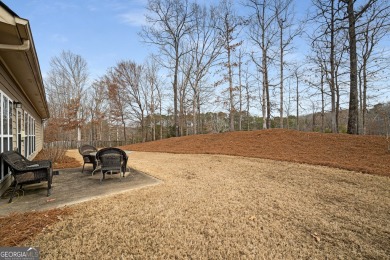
<point x="70" y="187"/>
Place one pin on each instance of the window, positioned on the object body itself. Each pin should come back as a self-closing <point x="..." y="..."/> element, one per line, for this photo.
<point x="29" y="139"/>
<point x="19" y="130"/>
<point x="6" y="141"/>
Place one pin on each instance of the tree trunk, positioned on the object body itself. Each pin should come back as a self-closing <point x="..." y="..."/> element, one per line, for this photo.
<point x="297" y="102"/>
<point x="176" y="114"/>
<point x="266" y="98"/>
<point x="353" y="93"/>
<point x="323" y="102"/>
<point x="281" y="74"/>
<point x="231" y="101"/>
<point x="240" y="89"/>
<point x="332" y="70"/>
<point x="194" y="112"/>
<point x="364" y="106"/>
<point x="264" y="107"/>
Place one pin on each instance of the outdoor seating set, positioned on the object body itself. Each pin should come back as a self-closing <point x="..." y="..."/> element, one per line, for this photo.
<point x="107" y="160"/>
<point x="110" y="159"/>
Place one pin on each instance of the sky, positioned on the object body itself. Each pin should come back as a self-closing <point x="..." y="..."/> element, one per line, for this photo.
<point x="103" y="32"/>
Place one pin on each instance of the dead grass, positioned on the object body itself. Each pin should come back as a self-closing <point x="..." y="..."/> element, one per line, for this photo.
<point x="224" y="207"/>
<point x="16" y="228"/>
<point x="367" y="154"/>
<point x="214" y="206"/>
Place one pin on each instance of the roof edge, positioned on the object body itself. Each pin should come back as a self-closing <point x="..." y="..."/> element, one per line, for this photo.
<point x="9" y="10"/>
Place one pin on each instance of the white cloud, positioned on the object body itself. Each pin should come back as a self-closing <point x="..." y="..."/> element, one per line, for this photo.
<point x="59" y="38"/>
<point x="134" y="18"/>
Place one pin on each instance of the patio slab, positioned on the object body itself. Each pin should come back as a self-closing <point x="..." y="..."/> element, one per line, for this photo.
<point x="70" y="187"/>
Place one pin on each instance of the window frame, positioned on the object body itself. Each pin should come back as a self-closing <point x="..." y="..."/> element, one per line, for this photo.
<point x="6" y="129"/>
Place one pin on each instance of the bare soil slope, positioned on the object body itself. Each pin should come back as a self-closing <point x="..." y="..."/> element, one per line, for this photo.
<point x="367" y="154"/>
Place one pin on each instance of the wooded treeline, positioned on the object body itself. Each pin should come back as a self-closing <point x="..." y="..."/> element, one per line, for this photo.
<point x="232" y="67"/>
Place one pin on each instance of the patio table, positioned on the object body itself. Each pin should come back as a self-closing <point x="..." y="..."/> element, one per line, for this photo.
<point x="97" y="164"/>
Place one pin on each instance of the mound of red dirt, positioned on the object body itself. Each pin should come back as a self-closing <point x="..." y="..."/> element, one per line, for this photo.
<point x="367" y="154"/>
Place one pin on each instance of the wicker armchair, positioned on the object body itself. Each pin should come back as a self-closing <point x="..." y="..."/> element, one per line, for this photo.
<point x="86" y="150"/>
<point x="27" y="172"/>
<point x="113" y="160"/>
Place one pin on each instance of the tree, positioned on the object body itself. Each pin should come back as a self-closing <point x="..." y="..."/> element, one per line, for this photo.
<point x="186" y="68"/>
<point x="263" y="33"/>
<point x="153" y="89"/>
<point x="67" y="81"/>
<point x="117" y="106"/>
<point x="130" y="94"/>
<point x="170" y="22"/>
<point x="328" y="44"/>
<point x="285" y="19"/>
<point x="374" y="27"/>
<point x="229" y="26"/>
<point x="98" y="107"/>
<point x="352" y="17"/>
<point x="240" y="56"/>
<point x="206" y="49"/>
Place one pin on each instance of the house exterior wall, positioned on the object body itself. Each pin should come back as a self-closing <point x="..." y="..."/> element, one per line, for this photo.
<point x="23" y="104"/>
<point x="26" y="125"/>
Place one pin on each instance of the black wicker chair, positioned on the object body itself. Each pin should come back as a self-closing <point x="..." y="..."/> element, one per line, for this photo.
<point x="86" y="150"/>
<point x="25" y="171"/>
<point x="113" y="160"/>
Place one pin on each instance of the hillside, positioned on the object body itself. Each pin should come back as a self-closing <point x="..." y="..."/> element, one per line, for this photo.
<point x="367" y="154"/>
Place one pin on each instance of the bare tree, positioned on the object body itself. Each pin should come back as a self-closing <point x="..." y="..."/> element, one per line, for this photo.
<point x="285" y="18"/>
<point x="153" y="89"/>
<point x="206" y="48"/>
<point x="98" y="107"/>
<point x="373" y="28"/>
<point x="328" y="44"/>
<point x="352" y="17"/>
<point x="240" y="56"/>
<point x="229" y="26"/>
<point x="263" y="33"/>
<point x="67" y="81"/>
<point x="186" y="68"/>
<point x="248" y="94"/>
<point x="117" y="104"/>
<point x="170" y="22"/>
<point x="127" y="75"/>
<point x="296" y="76"/>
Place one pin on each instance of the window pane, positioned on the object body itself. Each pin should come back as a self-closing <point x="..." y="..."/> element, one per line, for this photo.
<point x="1" y="117"/>
<point x="25" y="147"/>
<point x="5" y="144"/>
<point x="25" y="123"/>
<point x="19" y="122"/>
<point x="5" y="115"/>
<point x="10" y="117"/>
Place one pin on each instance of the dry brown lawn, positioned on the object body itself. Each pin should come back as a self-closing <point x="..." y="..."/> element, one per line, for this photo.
<point x="238" y="206"/>
<point x="368" y="154"/>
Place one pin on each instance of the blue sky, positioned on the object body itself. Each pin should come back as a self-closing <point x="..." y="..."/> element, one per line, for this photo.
<point x="103" y="32"/>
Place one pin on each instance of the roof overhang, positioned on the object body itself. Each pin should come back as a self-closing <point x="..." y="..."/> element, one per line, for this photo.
<point x="17" y="52"/>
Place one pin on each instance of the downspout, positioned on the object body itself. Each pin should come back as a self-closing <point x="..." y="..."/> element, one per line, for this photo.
<point x="23" y="47"/>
